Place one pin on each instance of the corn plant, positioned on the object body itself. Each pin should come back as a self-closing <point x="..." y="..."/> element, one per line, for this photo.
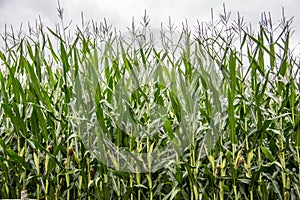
<point x="208" y="113"/>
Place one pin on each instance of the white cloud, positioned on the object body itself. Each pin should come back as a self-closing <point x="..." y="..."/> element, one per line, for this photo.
<point x="119" y="13"/>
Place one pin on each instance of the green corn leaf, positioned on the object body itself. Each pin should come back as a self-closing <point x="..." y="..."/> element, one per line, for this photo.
<point x="267" y="153"/>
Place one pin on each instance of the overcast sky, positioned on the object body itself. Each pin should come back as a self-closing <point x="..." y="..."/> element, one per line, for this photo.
<point x="119" y="13"/>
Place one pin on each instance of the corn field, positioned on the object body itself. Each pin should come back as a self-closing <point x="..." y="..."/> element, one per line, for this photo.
<point x="208" y="112"/>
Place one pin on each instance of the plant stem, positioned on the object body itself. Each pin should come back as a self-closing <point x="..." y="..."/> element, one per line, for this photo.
<point x="138" y="174"/>
<point x="36" y="157"/>
<point x="259" y="166"/>
<point x="222" y="166"/>
<point x="282" y="161"/>
<point x="89" y="175"/>
<point x="68" y="176"/>
<point x="46" y="170"/>
<point x="298" y="157"/>
<point x="249" y="153"/>
<point x="138" y="181"/>
<point x="193" y="176"/>
<point x="149" y="176"/>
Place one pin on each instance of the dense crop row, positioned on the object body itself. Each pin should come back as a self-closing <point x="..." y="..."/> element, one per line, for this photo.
<point x="209" y="113"/>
